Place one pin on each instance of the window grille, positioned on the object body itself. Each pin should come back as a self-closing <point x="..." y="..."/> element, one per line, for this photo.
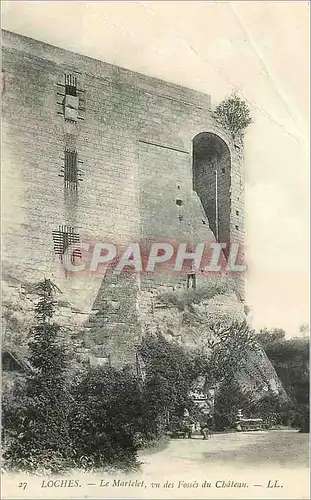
<point x="71" y="169"/>
<point x="63" y="238"/>
<point x="72" y="101"/>
<point x="71" y="85"/>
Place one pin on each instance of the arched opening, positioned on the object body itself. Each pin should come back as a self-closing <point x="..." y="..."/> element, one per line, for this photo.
<point x="211" y="181"/>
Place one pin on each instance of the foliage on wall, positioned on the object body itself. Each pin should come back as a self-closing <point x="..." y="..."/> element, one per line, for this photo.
<point x="234" y="114"/>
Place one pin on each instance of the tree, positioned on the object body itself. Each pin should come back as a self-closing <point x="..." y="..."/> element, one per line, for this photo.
<point x="170" y="373"/>
<point x="106" y="414"/>
<point x="234" y="114"/>
<point x="233" y="348"/>
<point x="265" y="337"/>
<point x="304" y="330"/>
<point x="37" y="425"/>
<point x="229" y="399"/>
<point x="230" y="346"/>
<point x="290" y="358"/>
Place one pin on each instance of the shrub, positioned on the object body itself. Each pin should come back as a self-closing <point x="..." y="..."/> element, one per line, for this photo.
<point x="228" y="401"/>
<point x="290" y="358"/>
<point x="170" y="373"/>
<point x="234" y="114"/>
<point x="106" y="417"/>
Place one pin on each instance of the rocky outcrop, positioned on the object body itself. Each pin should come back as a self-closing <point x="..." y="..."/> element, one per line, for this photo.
<point x="187" y="318"/>
<point x="19" y="298"/>
<point x="124" y="314"/>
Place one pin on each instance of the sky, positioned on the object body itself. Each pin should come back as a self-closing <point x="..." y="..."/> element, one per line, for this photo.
<point x="259" y="48"/>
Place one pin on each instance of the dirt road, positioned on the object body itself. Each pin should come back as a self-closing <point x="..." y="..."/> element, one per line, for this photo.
<point x="286" y="449"/>
<point x="271" y="465"/>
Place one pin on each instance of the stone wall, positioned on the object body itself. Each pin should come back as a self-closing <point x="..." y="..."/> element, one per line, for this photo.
<point x="133" y="138"/>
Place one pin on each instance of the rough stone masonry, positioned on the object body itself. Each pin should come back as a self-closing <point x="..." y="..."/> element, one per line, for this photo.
<point x="92" y="151"/>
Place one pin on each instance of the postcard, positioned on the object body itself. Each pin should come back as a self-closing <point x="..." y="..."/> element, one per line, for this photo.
<point x="155" y="250"/>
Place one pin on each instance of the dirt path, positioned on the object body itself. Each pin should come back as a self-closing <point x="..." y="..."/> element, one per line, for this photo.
<point x="254" y="465"/>
<point x="285" y="449"/>
<point x="238" y="465"/>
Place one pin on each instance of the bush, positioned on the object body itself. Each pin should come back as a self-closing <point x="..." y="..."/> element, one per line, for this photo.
<point x="303" y="412"/>
<point x="228" y="401"/>
<point x="234" y="114"/>
<point x="105" y="419"/>
<point x="94" y="425"/>
<point x="290" y="358"/>
<point x="170" y="373"/>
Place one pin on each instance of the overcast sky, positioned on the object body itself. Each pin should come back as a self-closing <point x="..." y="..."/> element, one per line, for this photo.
<point x="261" y="48"/>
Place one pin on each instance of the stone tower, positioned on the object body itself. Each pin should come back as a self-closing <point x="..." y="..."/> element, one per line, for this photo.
<point x="95" y="152"/>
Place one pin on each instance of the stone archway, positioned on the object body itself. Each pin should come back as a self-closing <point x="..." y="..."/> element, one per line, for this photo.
<point x="212" y="181"/>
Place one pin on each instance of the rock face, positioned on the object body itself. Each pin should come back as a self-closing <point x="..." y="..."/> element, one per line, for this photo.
<point x="18" y="309"/>
<point x="183" y="317"/>
<point x="258" y="378"/>
<point x="188" y="324"/>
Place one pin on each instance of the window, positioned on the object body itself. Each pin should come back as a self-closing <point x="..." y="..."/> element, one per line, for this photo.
<point x="71" y="169"/>
<point x="63" y="238"/>
<point x="70" y="85"/>
<point x="71" y="100"/>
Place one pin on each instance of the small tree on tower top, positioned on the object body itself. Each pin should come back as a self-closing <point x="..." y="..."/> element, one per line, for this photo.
<point x="234" y="114"/>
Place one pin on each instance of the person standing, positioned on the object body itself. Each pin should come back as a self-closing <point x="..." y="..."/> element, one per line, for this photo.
<point x="206" y="426"/>
<point x="191" y="276"/>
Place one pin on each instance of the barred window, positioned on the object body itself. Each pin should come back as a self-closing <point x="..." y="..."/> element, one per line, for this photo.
<point x="64" y="237"/>
<point x="72" y="101"/>
<point x="70" y="85"/>
<point x="71" y="169"/>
